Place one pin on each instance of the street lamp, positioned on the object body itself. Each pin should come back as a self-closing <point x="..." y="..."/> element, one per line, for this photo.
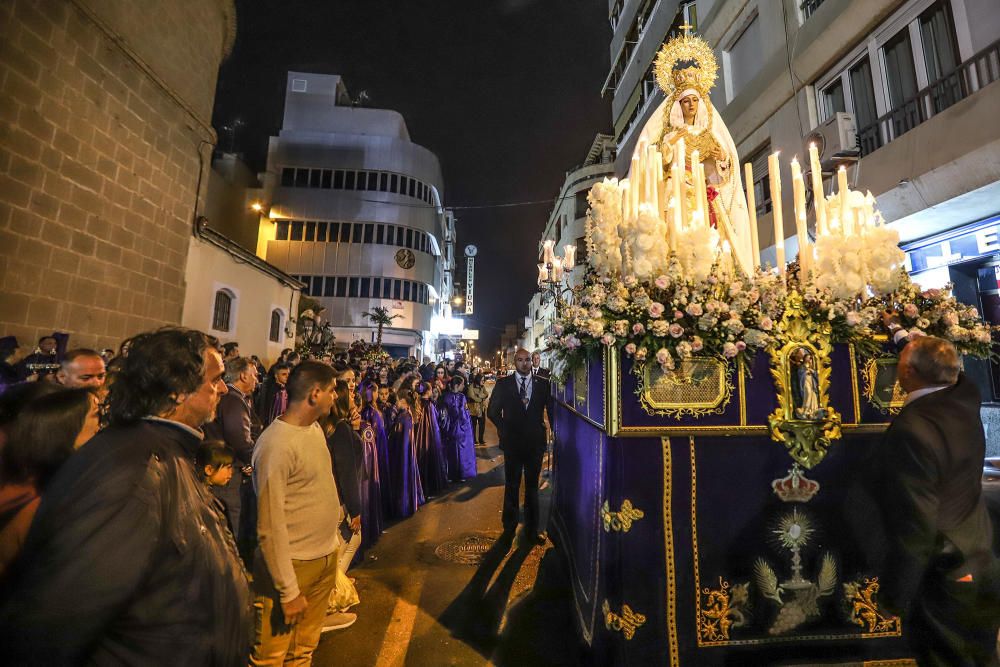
<point x="257" y="207"/>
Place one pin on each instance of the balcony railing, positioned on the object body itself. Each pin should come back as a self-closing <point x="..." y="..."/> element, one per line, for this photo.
<point x="975" y="73"/>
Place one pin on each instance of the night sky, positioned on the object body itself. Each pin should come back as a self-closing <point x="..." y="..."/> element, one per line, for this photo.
<point x="505" y="93"/>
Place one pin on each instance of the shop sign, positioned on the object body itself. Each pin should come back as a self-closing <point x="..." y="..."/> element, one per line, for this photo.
<point x="971" y="242"/>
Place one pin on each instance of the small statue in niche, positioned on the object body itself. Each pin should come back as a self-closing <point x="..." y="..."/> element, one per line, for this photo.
<point x="805" y="385"/>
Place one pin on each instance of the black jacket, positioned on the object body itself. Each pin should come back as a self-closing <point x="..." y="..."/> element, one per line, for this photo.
<point x="235" y="424"/>
<point x="930" y="490"/>
<point x="347" y="454"/>
<point x="520" y="429"/>
<point x="128" y="561"/>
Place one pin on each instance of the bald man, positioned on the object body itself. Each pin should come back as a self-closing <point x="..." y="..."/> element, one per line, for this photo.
<point x="942" y="575"/>
<point x="82" y="368"/>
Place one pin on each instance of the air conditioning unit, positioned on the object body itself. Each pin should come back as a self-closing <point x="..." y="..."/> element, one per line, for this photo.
<point x="836" y="137"/>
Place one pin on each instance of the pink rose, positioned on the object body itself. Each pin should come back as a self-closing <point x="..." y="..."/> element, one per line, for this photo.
<point x="638" y="329"/>
<point x="630" y="349"/>
<point x="729" y="350"/>
<point x="662" y="282"/>
<point x="557" y="329"/>
<point x="910" y="310"/>
<point x="678" y="315"/>
<point x="608" y="339"/>
<point x="766" y="324"/>
<point x="662" y="356"/>
<point x="694" y="310"/>
<point x="655" y="309"/>
<point x="676" y="330"/>
<point x="740" y="345"/>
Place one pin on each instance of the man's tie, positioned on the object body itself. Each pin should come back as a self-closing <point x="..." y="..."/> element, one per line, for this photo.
<point x="524" y="391"/>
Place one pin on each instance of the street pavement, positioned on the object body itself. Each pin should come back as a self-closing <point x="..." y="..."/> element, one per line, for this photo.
<point x="512" y="607"/>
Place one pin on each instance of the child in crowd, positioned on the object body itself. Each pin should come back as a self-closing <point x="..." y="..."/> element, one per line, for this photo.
<point x="214" y="463"/>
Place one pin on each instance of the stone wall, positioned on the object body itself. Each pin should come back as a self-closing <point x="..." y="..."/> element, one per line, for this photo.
<point x="104" y="131"/>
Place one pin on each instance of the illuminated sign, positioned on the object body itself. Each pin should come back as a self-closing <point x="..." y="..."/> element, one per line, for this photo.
<point x="963" y="244"/>
<point x="470" y="269"/>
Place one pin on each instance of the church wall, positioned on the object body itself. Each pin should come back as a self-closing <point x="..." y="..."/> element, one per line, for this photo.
<point x="104" y="129"/>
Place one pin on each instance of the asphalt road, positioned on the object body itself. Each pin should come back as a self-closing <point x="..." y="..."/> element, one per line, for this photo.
<point x="417" y="608"/>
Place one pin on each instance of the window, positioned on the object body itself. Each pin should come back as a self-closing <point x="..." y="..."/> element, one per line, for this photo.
<point x="581" y="204"/>
<point x="310" y="231"/>
<point x="317" y="285"/>
<point x="808" y="7"/>
<point x="341" y="287"/>
<point x="349" y="183"/>
<point x="413" y="187"/>
<point x="315" y="177"/>
<point x="302" y="178"/>
<point x="330" y="286"/>
<point x="299" y="85"/>
<point x="321" y="232"/>
<point x="372" y="180"/>
<point x="338" y="179"/>
<point x="743" y="58"/>
<point x="376" y="287"/>
<point x="386" y="288"/>
<point x="288" y="177"/>
<point x="345" y="232"/>
<point x="383" y="182"/>
<point x="581" y="250"/>
<point x="901" y="77"/>
<point x="380" y="234"/>
<point x="940" y="48"/>
<point x="327" y="179"/>
<point x="396" y="290"/>
<point x="357" y="233"/>
<point x="406" y="290"/>
<point x="369" y="231"/>
<point x="832" y="99"/>
<point x="296" y="234"/>
<point x="281" y="232"/>
<point x="409" y="238"/>
<point x="865" y="115"/>
<point x="394" y="183"/>
<point x="222" y="310"/>
<point x="761" y="182"/>
<point x="365" y="283"/>
<point x="274" y="334"/>
<point x="352" y="289"/>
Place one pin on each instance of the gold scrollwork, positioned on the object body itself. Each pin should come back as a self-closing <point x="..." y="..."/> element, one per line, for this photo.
<point x="620" y="521"/>
<point x="864" y="611"/>
<point x="627" y="622"/>
<point x="800" y="365"/>
<point x="698" y="387"/>
<point x="875" y="387"/>
<point x="722" y="609"/>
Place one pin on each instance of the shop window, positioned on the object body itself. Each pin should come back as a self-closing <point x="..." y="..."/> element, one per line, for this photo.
<point x="222" y="310"/>
<point x="274" y="333"/>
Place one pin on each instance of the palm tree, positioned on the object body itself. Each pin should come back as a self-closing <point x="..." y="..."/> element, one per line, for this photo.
<point x="380" y="317"/>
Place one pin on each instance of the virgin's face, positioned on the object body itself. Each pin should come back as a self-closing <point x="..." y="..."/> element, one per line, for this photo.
<point x="689" y="107"/>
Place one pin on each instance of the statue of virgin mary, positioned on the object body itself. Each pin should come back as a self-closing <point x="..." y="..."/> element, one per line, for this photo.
<point x="686" y="71"/>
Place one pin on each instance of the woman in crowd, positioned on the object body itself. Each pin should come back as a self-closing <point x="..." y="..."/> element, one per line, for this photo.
<point x="441" y="377"/>
<point x="347" y="455"/>
<point x="371" y="414"/>
<point x="50" y="424"/>
<point x="373" y="481"/>
<point x="476" y="397"/>
<point x="273" y="398"/>
<point x="427" y="435"/>
<point x="404" y="471"/>
<point x="459" y="444"/>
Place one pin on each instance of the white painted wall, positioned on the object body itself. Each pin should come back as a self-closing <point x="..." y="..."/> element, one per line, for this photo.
<point x="257" y="294"/>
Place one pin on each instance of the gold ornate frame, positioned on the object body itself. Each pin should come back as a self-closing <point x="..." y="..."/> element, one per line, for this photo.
<point x="869" y="374"/>
<point x="807" y="440"/>
<point x="683" y="375"/>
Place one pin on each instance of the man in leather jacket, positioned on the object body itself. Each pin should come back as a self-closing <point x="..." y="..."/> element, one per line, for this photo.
<point x="129" y="561"/>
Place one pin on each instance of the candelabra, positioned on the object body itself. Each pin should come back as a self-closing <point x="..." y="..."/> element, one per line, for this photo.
<point x="553" y="274"/>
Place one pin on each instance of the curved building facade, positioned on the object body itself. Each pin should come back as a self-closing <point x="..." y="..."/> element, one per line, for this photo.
<point x="355" y="212"/>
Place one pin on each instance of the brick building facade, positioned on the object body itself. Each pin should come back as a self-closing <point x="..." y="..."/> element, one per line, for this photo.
<point x="105" y="137"/>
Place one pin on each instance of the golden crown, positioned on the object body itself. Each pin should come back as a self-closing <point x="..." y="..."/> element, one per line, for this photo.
<point x="686" y="62"/>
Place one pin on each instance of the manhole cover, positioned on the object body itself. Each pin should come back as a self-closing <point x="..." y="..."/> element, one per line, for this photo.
<point x="467" y="550"/>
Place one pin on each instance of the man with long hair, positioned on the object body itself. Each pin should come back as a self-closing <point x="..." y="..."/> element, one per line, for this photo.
<point x="129" y="561"/>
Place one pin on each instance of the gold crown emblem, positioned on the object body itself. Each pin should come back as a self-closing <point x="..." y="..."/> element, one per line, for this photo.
<point x="686" y="62"/>
<point x="795" y="487"/>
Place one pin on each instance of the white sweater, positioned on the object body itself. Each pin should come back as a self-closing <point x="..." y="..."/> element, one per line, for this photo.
<point x="299" y="509"/>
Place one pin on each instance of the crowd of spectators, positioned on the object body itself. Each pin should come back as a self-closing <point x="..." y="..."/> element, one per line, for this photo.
<point x="155" y="501"/>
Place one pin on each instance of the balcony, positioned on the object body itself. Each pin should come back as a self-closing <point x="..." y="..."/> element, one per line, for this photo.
<point x="808" y="7"/>
<point x="972" y="75"/>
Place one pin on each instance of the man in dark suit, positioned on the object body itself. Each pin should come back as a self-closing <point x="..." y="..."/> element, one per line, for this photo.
<point x="941" y="575"/>
<point x="236" y="424"/>
<point x="517" y="408"/>
<point x="536" y="365"/>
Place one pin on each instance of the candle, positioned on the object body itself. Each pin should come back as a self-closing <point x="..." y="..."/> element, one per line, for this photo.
<point x="652" y="183"/>
<point x="702" y="193"/>
<point x="843" y="193"/>
<point x="799" y="201"/>
<point x="779" y="231"/>
<point x="543" y="274"/>
<point x="819" y="201"/>
<point x="557" y="269"/>
<point x="547" y="251"/>
<point x="635" y="183"/>
<point x="752" y="210"/>
<point x="569" y="257"/>
<point x="626" y="200"/>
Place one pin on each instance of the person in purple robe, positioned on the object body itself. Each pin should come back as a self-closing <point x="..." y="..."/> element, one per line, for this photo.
<point x="371" y="489"/>
<point x="407" y="493"/>
<point x="456" y="433"/>
<point x="427" y="435"/>
<point x="372" y="415"/>
<point x="273" y="398"/>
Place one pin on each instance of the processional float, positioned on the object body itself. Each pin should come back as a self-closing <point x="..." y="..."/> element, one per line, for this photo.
<point x="713" y="414"/>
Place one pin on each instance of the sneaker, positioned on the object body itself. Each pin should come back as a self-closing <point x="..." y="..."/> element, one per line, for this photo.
<point x="338" y="620"/>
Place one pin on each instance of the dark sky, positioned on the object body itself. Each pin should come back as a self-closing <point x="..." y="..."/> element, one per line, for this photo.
<point x="506" y="93"/>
